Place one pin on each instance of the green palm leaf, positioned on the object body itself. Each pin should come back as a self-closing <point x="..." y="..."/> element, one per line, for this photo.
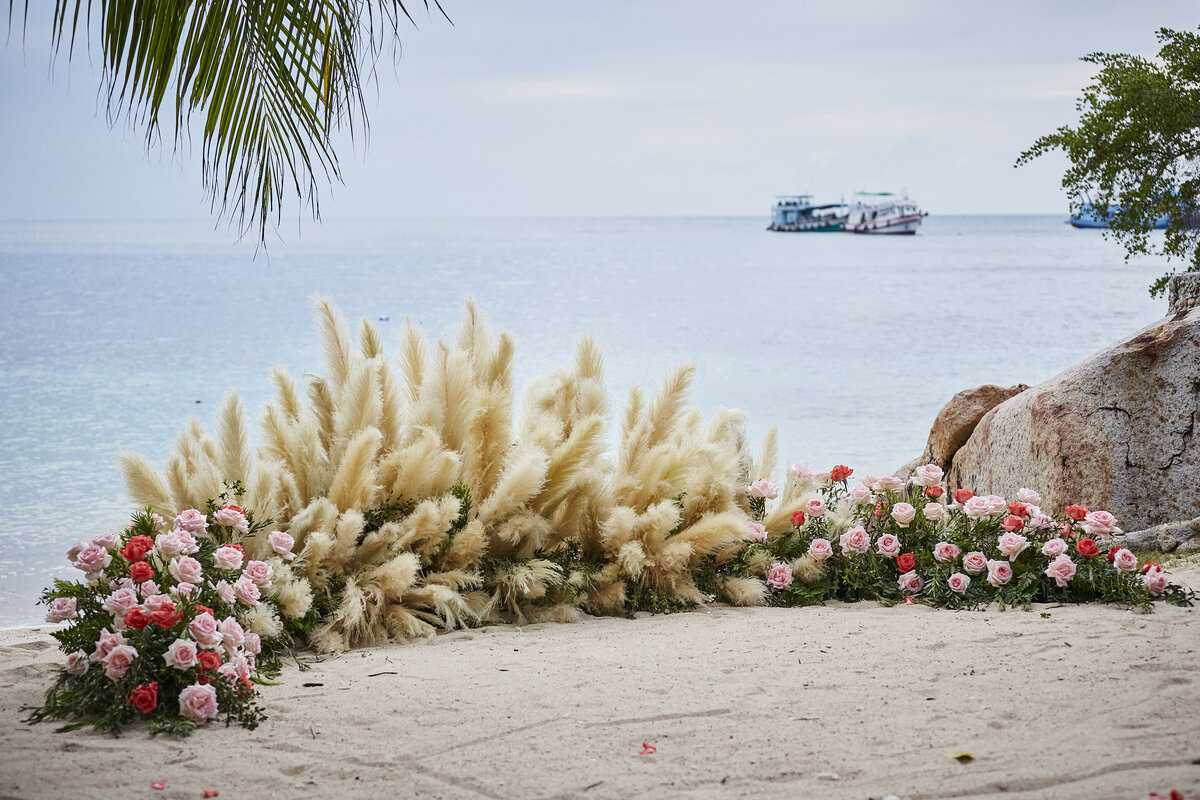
<point x="265" y="83"/>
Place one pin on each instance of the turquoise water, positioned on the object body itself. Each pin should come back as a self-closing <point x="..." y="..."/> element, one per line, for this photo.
<point x="113" y="335"/>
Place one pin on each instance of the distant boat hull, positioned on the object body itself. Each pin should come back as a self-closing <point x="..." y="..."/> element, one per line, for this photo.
<point x="901" y="225"/>
<point x="810" y="226"/>
<point x="1088" y="217"/>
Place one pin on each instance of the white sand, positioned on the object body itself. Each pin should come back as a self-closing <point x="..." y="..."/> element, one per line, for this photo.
<point x="847" y="701"/>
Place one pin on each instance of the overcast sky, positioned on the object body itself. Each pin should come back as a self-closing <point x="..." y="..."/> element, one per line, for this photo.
<point x="637" y="108"/>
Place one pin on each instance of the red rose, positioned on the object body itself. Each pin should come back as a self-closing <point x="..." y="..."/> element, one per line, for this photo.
<point x="237" y="547"/>
<point x="962" y="495"/>
<point x="1077" y="513"/>
<point x="166" y="615"/>
<point x="1112" y="553"/>
<point x="906" y="562"/>
<point x="204" y="610"/>
<point x="798" y="518"/>
<point x="1087" y="547"/>
<point x="243" y="687"/>
<point x="144" y="698"/>
<point x="1019" y="509"/>
<point x="1065" y="531"/>
<point x="840" y="473"/>
<point x="141" y="572"/>
<point x="206" y="665"/>
<point x="1149" y="566"/>
<point x="879" y="509"/>
<point x="137" y="548"/>
<point x="934" y="492"/>
<point x="234" y="508"/>
<point x="1012" y="523"/>
<point x="136" y="619"/>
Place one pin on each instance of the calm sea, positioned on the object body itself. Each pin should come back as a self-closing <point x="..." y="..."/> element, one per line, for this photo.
<point x="112" y="335"/>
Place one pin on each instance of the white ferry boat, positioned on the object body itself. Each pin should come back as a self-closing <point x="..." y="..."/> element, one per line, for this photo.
<point x="883" y="212"/>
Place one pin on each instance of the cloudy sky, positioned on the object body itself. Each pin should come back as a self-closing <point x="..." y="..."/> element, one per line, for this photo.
<point x="661" y="107"/>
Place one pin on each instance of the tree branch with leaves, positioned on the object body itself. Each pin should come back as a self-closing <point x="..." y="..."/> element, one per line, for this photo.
<point x="268" y="83"/>
<point x="1136" y="149"/>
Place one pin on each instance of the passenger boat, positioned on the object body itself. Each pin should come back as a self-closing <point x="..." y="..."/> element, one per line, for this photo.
<point x="1089" y="216"/>
<point x="797" y="213"/>
<point x="883" y="212"/>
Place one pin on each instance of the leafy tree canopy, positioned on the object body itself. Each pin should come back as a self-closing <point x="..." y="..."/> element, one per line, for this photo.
<point x="264" y="84"/>
<point x="1136" y="149"/>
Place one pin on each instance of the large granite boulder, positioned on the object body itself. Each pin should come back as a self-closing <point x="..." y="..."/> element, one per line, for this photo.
<point x="1116" y="432"/>
<point x="956" y="421"/>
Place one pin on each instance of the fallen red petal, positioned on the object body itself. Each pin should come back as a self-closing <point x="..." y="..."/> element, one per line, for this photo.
<point x="158" y="785"/>
<point x="647" y="749"/>
<point x="908" y="601"/>
<point x="211" y="793"/>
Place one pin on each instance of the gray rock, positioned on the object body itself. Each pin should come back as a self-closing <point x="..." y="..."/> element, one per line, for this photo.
<point x="1169" y="538"/>
<point x="957" y="420"/>
<point x="1183" y="292"/>
<point x="1115" y="432"/>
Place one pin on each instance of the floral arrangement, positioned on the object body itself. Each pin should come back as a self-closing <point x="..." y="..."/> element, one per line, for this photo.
<point x="170" y="623"/>
<point x="910" y="541"/>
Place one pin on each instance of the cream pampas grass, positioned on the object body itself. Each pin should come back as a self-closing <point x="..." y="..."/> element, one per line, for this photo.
<point x="419" y="501"/>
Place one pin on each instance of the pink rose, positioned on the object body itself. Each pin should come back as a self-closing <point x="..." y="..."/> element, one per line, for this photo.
<point x="1062" y="569"/>
<point x="282" y="544"/>
<point x="121" y="583"/>
<point x="198" y="702"/>
<point x="228" y="558"/>
<point x="246" y="591"/>
<point x="814" y="508"/>
<point x="945" y="551"/>
<point x="764" y="488"/>
<point x="61" y="610"/>
<point x="958" y="583"/>
<point x="1039" y="520"/>
<point x="855" y="540"/>
<point x="117" y="662"/>
<point x="225" y="591"/>
<point x="1054" y="547"/>
<point x="1012" y="545"/>
<point x="181" y="654"/>
<point x="191" y="521"/>
<point x="861" y="495"/>
<point x="182" y="589"/>
<point x="779" y="576"/>
<point x="170" y="544"/>
<point x="160" y="525"/>
<point x="903" y="513"/>
<point x="974" y="562"/>
<point x="910" y="582"/>
<point x="755" y="533"/>
<point x="204" y="630"/>
<point x="74" y="550"/>
<point x="155" y="601"/>
<point x="238" y="663"/>
<point x="997" y="505"/>
<point x="77" y="663"/>
<point x="1155" y="580"/>
<point x="148" y="588"/>
<point x="888" y="483"/>
<point x="232" y="635"/>
<point x="259" y="571"/>
<point x="888" y="545"/>
<point x="977" y="507"/>
<point x="800" y="473"/>
<point x="109" y="541"/>
<point x="823" y="479"/>
<point x="186" y="569"/>
<point x="1100" y="523"/>
<point x="820" y="549"/>
<point x="1029" y="497"/>
<point x="92" y="559"/>
<point x="1125" y="560"/>
<point x="999" y="572"/>
<point x="934" y="511"/>
<point x="252" y="643"/>
<point x="232" y="517"/>
<point x="928" y="475"/>
<point x="105" y="643"/>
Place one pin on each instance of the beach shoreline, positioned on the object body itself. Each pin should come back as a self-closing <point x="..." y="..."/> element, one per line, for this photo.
<point x="845" y="700"/>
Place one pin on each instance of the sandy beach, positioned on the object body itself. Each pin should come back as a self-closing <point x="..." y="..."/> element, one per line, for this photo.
<point x="845" y="701"/>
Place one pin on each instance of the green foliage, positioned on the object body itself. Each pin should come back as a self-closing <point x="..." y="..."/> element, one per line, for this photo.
<point x="1136" y="145"/>
<point x="269" y="85"/>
